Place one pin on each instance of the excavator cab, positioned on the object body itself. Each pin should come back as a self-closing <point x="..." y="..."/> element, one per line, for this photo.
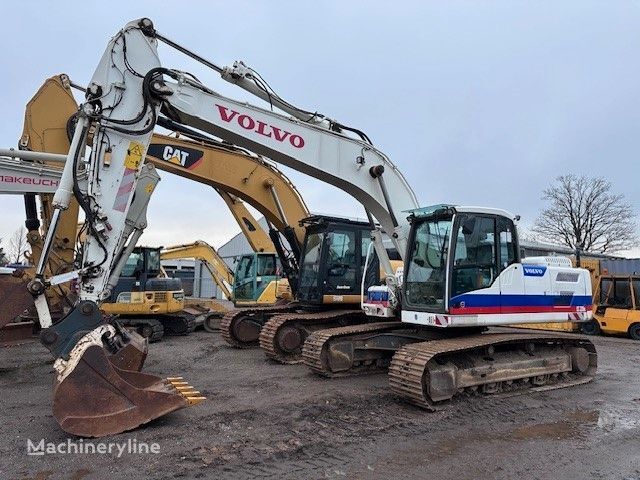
<point x="333" y="260"/>
<point x="452" y="253"/>
<point x="464" y="269"/>
<point x="141" y="289"/>
<point x="256" y="279"/>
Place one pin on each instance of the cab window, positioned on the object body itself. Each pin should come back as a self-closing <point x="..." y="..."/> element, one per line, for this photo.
<point x="153" y="257"/>
<point x="131" y="265"/>
<point x="342" y="255"/>
<point x="266" y="265"/>
<point x="474" y="265"/>
<point x="507" y="237"/>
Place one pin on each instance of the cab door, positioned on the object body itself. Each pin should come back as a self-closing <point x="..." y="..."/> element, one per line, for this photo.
<point x="342" y="262"/>
<point x="510" y="273"/>
<point x="618" y="300"/>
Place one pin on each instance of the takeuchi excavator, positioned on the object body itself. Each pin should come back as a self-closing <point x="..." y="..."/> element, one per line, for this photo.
<point x="462" y="271"/>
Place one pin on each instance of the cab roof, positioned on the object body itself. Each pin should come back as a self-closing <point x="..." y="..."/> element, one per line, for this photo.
<point x="451" y="209"/>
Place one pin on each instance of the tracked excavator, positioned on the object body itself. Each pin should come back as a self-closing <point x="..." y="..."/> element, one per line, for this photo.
<point x="457" y="280"/>
<point x="257" y="280"/>
<point x="462" y="269"/>
<point x="334" y="247"/>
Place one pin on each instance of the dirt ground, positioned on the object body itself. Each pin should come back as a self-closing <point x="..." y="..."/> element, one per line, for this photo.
<point x="264" y="420"/>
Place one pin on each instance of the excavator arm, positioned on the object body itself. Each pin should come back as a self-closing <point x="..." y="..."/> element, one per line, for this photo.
<point x="199" y="250"/>
<point x="44" y="131"/>
<point x="256" y="236"/>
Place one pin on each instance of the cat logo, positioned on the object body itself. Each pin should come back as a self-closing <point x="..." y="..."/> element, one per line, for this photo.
<point x="176" y="154"/>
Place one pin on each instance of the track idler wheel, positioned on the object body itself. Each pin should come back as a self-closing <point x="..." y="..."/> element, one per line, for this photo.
<point x="246" y="330"/>
<point x="290" y="339"/>
<point x="96" y="398"/>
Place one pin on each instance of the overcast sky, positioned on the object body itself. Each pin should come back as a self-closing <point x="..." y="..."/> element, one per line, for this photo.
<point x="477" y="102"/>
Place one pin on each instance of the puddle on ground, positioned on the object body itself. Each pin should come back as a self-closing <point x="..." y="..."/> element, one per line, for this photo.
<point x="578" y="424"/>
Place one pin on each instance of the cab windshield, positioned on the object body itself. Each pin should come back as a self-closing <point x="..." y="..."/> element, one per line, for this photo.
<point x="426" y="272"/>
<point x="309" y="272"/>
<point x="153" y="259"/>
<point x="266" y="265"/>
<point x="131" y="265"/>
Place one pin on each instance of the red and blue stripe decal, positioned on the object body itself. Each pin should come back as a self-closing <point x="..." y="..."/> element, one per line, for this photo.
<point x="470" y="304"/>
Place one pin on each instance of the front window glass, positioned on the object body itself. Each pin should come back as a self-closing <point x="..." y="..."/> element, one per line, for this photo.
<point x="636" y="292"/>
<point x="243" y="279"/>
<point x="474" y="265"/>
<point x="244" y="269"/>
<point x="130" y="266"/>
<point x="425" y="277"/>
<point x="154" y="261"/>
<point x="309" y="272"/>
<point x="606" y="289"/>
<point x="341" y="260"/>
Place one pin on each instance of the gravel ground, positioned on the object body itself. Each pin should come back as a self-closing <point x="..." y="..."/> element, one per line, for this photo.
<point x="264" y="420"/>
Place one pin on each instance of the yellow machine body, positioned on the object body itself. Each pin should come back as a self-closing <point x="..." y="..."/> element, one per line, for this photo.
<point x="617" y="305"/>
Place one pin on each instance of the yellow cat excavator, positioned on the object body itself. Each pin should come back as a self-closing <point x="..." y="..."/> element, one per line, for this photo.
<point x="255" y="286"/>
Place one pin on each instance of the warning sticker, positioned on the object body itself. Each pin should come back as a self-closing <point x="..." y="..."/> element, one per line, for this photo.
<point x="134" y="155"/>
<point x="149" y="188"/>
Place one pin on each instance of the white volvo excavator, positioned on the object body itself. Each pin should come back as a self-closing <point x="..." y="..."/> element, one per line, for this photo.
<point x="462" y="269"/>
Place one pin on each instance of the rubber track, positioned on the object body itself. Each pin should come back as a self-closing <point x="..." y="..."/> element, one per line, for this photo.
<point x="314" y="347"/>
<point x="271" y="329"/>
<point x="409" y="364"/>
<point x="178" y="324"/>
<point x="228" y="318"/>
<point x="156" y="325"/>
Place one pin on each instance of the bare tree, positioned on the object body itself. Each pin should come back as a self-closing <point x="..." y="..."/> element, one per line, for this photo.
<point x="18" y="245"/>
<point x="582" y="212"/>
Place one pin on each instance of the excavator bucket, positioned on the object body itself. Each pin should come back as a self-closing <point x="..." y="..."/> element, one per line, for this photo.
<point x="97" y="398"/>
<point x="92" y="395"/>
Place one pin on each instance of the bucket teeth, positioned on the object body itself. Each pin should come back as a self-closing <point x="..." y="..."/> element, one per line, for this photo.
<point x="190" y="394"/>
<point x="195" y="400"/>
